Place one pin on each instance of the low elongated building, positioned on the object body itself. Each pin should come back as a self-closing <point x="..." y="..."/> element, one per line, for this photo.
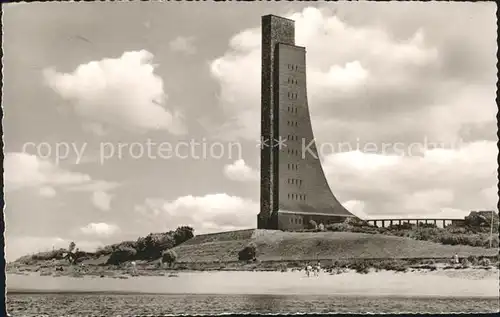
<point x="294" y="189"/>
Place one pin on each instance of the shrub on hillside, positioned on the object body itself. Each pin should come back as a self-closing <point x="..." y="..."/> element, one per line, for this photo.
<point x="169" y="257"/>
<point x="356" y="222"/>
<point x="106" y="250"/>
<point x="122" y="254"/>
<point x="49" y="255"/>
<point x="399" y="227"/>
<point x="340" y="263"/>
<point x="368" y="230"/>
<point x="182" y="234"/>
<point x="312" y="225"/>
<point x="339" y="227"/>
<point x="473" y="260"/>
<point x="424" y="233"/>
<point x="391" y="265"/>
<point x="152" y="246"/>
<point x="82" y="256"/>
<point x="125" y="244"/>
<point x="465" y="263"/>
<point x="484" y="262"/>
<point x="362" y="267"/>
<point x="427" y="225"/>
<point x="455" y="229"/>
<point x="248" y="253"/>
<point x="482" y="219"/>
<point x="460" y="239"/>
<point x="494" y="242"/>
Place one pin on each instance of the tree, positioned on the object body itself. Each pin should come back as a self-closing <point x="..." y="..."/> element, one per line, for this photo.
<point x="152" y="246"/>
<point x="71" y="247"/>
<point x="169" y="256"/>
<point x="478" y="219"/>
<point x="248" y="253"/>
<point x="70" y="255"/>
<point x="122" y="254"/>
<point x="182" y="234"/>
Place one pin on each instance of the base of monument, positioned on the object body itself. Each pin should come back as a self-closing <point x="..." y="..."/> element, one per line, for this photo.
<point x="295" y="220"/>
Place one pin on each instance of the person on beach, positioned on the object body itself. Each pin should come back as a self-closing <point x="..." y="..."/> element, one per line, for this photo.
<point x="318" y="269"/>
<point x="456" y="260"/>
<point x="308" y="270"/>
<point x="134" y="268"/>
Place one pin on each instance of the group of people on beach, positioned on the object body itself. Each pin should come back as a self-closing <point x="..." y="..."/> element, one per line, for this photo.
<point x="313" y="270"/>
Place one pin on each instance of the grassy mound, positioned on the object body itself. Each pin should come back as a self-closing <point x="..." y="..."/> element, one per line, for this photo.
<point x="221" y="236"/>
<point x="295" y="246"/>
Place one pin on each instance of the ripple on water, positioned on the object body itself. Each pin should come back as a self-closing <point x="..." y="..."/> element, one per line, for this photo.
<point x="94" y="304"/>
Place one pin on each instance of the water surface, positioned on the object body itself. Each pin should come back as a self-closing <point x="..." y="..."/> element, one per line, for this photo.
<point x="127" y="305"/>
<point x="258" y="292"/>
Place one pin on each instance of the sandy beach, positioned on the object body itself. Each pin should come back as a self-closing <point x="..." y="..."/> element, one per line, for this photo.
<point x="452" y="283"/>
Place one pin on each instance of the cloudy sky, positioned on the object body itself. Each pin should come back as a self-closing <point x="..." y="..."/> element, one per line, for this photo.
<point x="402" y="98"/>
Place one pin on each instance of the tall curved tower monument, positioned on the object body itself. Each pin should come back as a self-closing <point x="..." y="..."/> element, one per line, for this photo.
<point x="294" y="189"/>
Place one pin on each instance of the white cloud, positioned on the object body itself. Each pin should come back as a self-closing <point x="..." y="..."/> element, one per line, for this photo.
<point x="356" y="207"/>
<point x="349" y="71"/>
<point x="240" y="171"/>
<point x="119" y="92"/>
<point x="453" y="181"/>
<point x="183" y="44"/>
<point x="47" y="191"/>
<point x="17" y="246"/>
<point x="209" y="213"/>
<point x="95" y="185"/>
<point x="25" y="170"/>
<point x="100" y="229"/>
<point x="370" y="83"/>
<point x="344" y="78"/>
<point x="102" y="200"/>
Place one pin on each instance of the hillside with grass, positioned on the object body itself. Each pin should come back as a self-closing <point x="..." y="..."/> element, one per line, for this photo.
<point x="274" y="245"/>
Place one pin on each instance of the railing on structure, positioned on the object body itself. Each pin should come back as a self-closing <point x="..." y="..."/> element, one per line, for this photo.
<point x="399" y="221"/>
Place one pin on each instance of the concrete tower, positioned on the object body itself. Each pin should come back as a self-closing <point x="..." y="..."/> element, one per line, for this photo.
<point x="294" y="189"/>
